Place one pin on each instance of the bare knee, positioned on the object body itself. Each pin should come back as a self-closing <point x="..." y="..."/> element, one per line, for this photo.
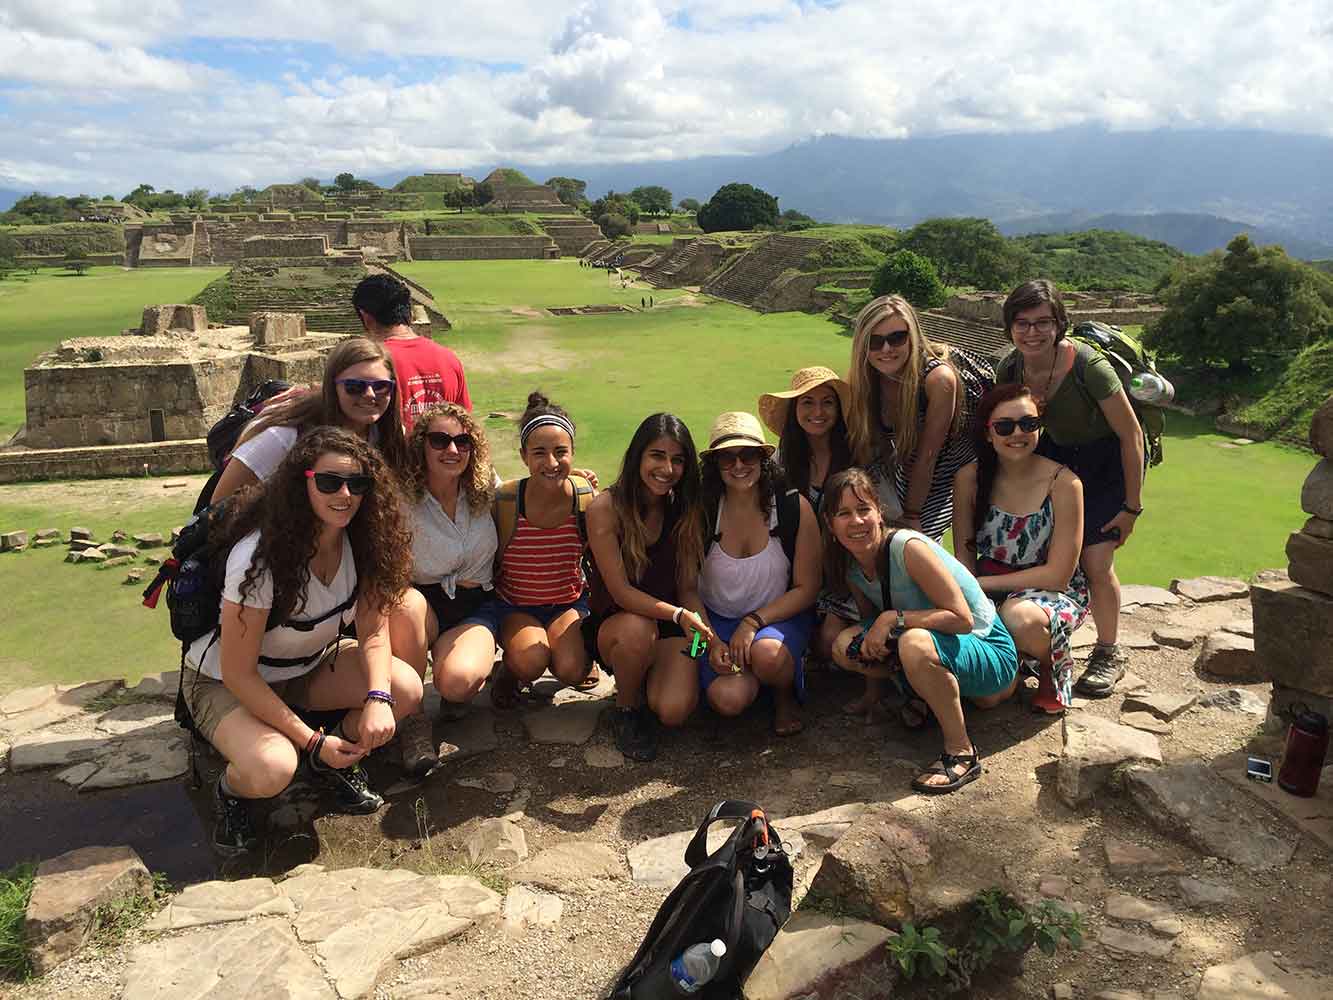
<point x="674" y="709"/>
<point x="840" y="644"/>
<point x="406" y="687"/>
<point x="267" y="770"/>
<point x="771" y="663"/>
<point x="459" y="686"/>
<point x="528" y="661"/>
<point x="916" y="650"/>
<point x="730" y="699"/>
<point x="627" y="639"/>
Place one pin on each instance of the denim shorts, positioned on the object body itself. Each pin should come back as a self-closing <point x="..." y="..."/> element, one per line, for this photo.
<point x="493" y="613"/>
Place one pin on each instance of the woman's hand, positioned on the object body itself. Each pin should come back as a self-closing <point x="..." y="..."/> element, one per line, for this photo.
<point x="339" y="753"/>
<point x="377" y="725"/>
<point x="740" y="643"/>
<point x="719" y="658"/>
<point x="1120" y="527"/>
<point x="589" y="475"/>
<point x="693" y="621"/>
<point x="875" y="646"/>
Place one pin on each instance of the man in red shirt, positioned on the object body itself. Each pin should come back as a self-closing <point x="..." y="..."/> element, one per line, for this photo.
<point x="428" y="373"/>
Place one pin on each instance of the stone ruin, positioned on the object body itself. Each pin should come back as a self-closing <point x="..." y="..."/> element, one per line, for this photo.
<point x="1116" y="308"/>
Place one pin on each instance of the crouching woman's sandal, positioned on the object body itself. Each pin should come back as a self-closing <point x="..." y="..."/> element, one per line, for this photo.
<point x="959" y="768"/>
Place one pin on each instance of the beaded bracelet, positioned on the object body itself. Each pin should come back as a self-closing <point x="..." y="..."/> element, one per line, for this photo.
<point x="757" y="619"/>
<point x="381" y="696"/>
<point x="314" y="737"/>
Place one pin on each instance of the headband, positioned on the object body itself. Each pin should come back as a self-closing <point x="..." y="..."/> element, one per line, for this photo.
<point x="545" y="420"/>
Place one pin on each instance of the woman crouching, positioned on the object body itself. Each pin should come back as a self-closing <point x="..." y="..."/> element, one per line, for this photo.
<point x="320" y="544"/>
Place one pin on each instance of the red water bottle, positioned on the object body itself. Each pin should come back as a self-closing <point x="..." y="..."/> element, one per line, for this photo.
<point x="1307" y="746"/>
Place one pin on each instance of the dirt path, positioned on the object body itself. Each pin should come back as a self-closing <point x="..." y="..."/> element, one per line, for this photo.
<point x="108" y="496"/>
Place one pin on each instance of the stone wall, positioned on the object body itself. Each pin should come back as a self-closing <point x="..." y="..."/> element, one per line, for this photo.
<point x="58" y="260"/>
<point x="482" y="247"/>
<point x="285" y="246"/>
<point x="227" y="240"/>
<point x="1115" y="309"/>
<point x="163" y="458"/>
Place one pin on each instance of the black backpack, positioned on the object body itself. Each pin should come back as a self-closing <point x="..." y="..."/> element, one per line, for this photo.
<point x="789" y="525"/>
<point x="222" y="435"/>
<point x="740" y="893"/>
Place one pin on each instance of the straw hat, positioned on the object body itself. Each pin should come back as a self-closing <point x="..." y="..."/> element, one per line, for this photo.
<point x="736" y="430"/>
<point x="773" y="405"/>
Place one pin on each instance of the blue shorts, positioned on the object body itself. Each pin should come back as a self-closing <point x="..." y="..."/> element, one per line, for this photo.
<point x="794" y="633"/>
<point x="983" y="665"/>
<point x="493" y="613"/>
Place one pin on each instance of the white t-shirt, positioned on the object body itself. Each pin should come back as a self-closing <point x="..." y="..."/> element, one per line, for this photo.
<point x="283" y="642"/>
<point x="264" y="452"/>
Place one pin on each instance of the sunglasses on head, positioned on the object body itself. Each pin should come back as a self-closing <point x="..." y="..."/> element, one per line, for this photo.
<point x="358" y="386"/>
<point x="440" y="440"/>
<point x="332" y="482"/>
<point x="897" y="338"/>
<point x="1006" y="426"/>
<point x="733" y="455"/>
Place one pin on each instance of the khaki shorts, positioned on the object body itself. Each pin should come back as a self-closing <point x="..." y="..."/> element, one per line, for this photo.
<point x="210" y="701"/>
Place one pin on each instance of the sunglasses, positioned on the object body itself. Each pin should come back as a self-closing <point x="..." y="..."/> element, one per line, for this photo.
<point x="731" y="456"/>
<point x="358" y="386"/>
<point x="440" y="440"/>
<point x="1005" y="426"/>
<point x="878" y="341"/>
<point x="332" y="482"/>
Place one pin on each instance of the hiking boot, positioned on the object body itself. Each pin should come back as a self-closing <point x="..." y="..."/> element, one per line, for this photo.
<point x="349" y="784"/>
<point x="233" y="833"/>
<point x="636" y="733"/>
<point x="416" y="742"/>
<point x="1106" y="666"/>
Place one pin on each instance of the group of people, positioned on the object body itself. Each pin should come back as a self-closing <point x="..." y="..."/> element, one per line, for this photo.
<point x="367" y="536"/>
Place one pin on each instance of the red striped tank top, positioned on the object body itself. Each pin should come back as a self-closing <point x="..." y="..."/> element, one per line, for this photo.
<point x="542" y="565"/>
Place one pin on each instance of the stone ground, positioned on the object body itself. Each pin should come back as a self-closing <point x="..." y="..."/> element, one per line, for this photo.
<point x="540" y="808"/>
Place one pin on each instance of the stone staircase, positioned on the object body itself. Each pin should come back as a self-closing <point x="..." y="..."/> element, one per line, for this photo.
<point x="663" y="273"/>
<point x="756" y="269"/>
<point x="979" y="338"/>
<point x="571" y="233"/>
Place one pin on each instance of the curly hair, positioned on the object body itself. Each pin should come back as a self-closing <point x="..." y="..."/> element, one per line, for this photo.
<point x="289" y="529"/>
<point x="836" y="558"/>
<point x="772" y="481"/>
<point x="478" y="479"/>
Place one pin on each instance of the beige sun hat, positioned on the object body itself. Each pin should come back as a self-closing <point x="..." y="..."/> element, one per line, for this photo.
<point x="773" y="405"/>
<point x="736" y="430"/>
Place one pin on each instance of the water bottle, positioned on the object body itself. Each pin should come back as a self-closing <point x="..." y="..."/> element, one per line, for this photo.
<point x="697" y="964"/>
<point x="1149" y="388"/>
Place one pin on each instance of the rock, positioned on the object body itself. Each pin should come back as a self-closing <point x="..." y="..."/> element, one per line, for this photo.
<point x="499" y="783"/>
<point x="1321" y="429"/>
<point x="26" y="699"/>
<point x="1159" y="703"/>
<point x="469" y="737"/>
<point x="81" y="545"/>
<point x="119" y="536"/>
<point x="1138" y="593"/>
<point x="221" y="903"/>
<point x="524" y="908"/>
<point x="1093" y="748"/>
<point x="1128" y="943"/>
<point x="163" y="685"/>
<point x="46" y="749"/>
<point x="259" y="959"/>
<point x="47" y="535"/>
<point x="1171" y="927"/>
<point x="1053" y="887"/>
<point x="824" y="827"/>
<point x="497" y="842"/>
<point x="1193" y="801"/>
<point x="571" y="723"/>
<point x="1315" y="527"/>
<point x="1310" y="562"/>
<point x="816" y="956"/>
<point x="152" y="560"/>
<point x="80" y="535"/>
<point x="62" y="702"/>
<point x="134" y="716"/>
<point x="855" y="779"/>
<point x="68" y="890"/>
<point x="1145" y="722"/>
<point x="1124" y="858"/>
<point x="137" y="760"/>
<point x="1293" y="635"/>
<point x="1210" y="588"/>
<point x="603" y="757"/>
<point x="1260" y="977"/>
<point x="1135" y="910"/>
<point x="1176" y="638"/>
<point x="45" y="543"/>
<point x="661" y="860"/>
<point x="1234" y="700"/>
<point x="13" y="541"/>
<point x="1062" y="991"/>
<point x="1284" y="703"/>
<point x="118" y="551"/>
<point x="1317" y="493"/>
<point x="893" y="868"/>
<point x="1240" y="626"/>
<point x="115" y="561"/>
<point x="133" y="576"/>
<point x="1200" y="895"/>
<point x="92" y="556"/>
<point x="149" y="540"/>
<point x="79" y="773"/>
<point x="570" y="867"/>
<point x="1225" y="654"/>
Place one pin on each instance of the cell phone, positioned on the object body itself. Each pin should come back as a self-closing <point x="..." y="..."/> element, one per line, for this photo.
<point x="698" y="644"/>
<point x="1258" y="769"/>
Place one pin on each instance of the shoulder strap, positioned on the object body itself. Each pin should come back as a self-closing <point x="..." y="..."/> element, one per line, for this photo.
<point x="508" y="505"/>
<point x="885" y="576"/>
<point x="697" y="851"/>
<point x="789" y="522"/>
<point x="583" y="496"/>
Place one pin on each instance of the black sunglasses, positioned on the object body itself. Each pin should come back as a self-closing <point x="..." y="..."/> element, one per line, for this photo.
<point x="358" y="386"/>
<point x="895" y="339"/>
<point x="731" y="456"/>
<point x="332" y="482"/>
<point x="440" y="440"/>
<point x="1005" y="426"/>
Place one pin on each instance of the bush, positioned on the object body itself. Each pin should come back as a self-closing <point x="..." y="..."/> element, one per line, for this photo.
<point x="614" y="224"/>
<point x="738" y="207"/>
<point x="913" y="277"/>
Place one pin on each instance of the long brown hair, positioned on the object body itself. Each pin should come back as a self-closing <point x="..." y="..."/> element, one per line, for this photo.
<point x="863" y="422"/>
<point x="478" y="479"/>
<point x="289" y="528"/>
<point x="987" y="460"/>
<point x="836" y="558"/>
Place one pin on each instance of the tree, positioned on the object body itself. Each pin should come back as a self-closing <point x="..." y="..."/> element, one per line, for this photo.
<point x="738" y="206"/>
<point x="689" y="205"/>
<point x="76" y="260"/>
<point x="345" y="181"/>
<point x="482" y="193"/>
<point x="652" y="199"/>
<point x="616" y="204"/>
<point x="1228" y="307"/>
<point x="913" y="277"/>
<point x="570" y="190"/>
<point x="313" y="184"/>
<point x="968" y="252"/>
<point x="792" y="220"/>
<point x="197" y="198"/>
<point x="614" y="224"/>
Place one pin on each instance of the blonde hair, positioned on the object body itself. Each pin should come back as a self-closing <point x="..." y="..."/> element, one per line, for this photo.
<point x="478" y="479"/>
<point x="863" y="421"/>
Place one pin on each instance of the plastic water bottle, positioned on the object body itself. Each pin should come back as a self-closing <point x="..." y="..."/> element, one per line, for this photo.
<point x="697" y="964"/>
<point x="1150" y="388"/>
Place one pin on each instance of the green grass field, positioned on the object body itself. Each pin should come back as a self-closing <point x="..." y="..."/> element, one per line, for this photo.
<point x="1210" y="510"/>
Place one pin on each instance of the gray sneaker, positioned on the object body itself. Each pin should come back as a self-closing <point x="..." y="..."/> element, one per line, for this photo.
<point x="1105" y="667"/>
<point x="416" y="742"/>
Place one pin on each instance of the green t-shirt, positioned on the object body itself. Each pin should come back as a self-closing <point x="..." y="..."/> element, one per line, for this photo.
<point x="1073" y="415"/>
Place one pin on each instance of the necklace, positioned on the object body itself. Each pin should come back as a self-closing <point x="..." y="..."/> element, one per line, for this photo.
<point x="1045" y="393"/>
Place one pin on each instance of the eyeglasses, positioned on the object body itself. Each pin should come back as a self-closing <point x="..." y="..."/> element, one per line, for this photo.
<point x="440" y="440"/>
<point x="1006" y="426"/>
<point x="731" y="456"/>
<point x="332" y="482"/>
<point x="358" y="386"/>
<point x="1046" y="325"/>
<point x="878" y="341"/>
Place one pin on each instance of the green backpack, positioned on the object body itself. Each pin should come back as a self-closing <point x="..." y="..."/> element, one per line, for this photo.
<point x="1129" y="358"/>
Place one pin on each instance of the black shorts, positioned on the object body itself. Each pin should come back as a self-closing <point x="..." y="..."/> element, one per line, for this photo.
<point x="1098" y="465"/>
<point x="456" y="610"/>
<point x="593" y="624"/>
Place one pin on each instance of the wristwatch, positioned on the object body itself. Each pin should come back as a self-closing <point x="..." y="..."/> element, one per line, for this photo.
<point x="899" y="625"/>
<point x="1136" y="511"/>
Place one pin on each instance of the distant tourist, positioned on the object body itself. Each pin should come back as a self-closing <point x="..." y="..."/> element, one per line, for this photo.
<point x="760" y="575"/>
<point x="646" y="535"/>
<point x="919" y="603"/>
<point x="275" y="683"/>
<point x="358" y="394"/>
<point x="1089" y="426"/>
<point x="810" y="420"/>
<point x="908" y="415"/>
<point x="541" y="594"/>
<point x="450" y="485"/>
<point x="428" y="373"/>
<point x="1018" y="525"/>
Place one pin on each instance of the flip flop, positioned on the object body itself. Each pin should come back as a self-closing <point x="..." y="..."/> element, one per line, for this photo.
<point x="969" y="762"/>
<point x="791" y="727"/>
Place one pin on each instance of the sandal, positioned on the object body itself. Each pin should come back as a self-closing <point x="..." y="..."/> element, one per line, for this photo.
<point x="505" y="690"/>
<point x="971" y="770"/>
<point x="590" y="682"/>
<point x="916" y="715"/>
<point x="791" y="727"/>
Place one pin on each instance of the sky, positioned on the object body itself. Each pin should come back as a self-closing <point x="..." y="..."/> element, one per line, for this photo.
<point x="97" y="96"/>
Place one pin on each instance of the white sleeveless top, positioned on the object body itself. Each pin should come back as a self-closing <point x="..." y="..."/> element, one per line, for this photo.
<point x="734" y="587"/>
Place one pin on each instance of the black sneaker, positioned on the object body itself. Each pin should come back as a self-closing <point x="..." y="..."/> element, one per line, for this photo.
<point x="349" y="784"/>
<point x="1106" y="666"/>
<point x="233" y="833"/>
<point x="636" y="733"/>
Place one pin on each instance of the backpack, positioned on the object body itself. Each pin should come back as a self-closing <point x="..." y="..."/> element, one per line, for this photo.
<point x="222" y="436"/>
<point x="789" y="525"/>
<point x="509" y="504"/>
<point x="1128" y="357"/>
<point x="740" y="893"/>
<point x="976" y="377"/>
